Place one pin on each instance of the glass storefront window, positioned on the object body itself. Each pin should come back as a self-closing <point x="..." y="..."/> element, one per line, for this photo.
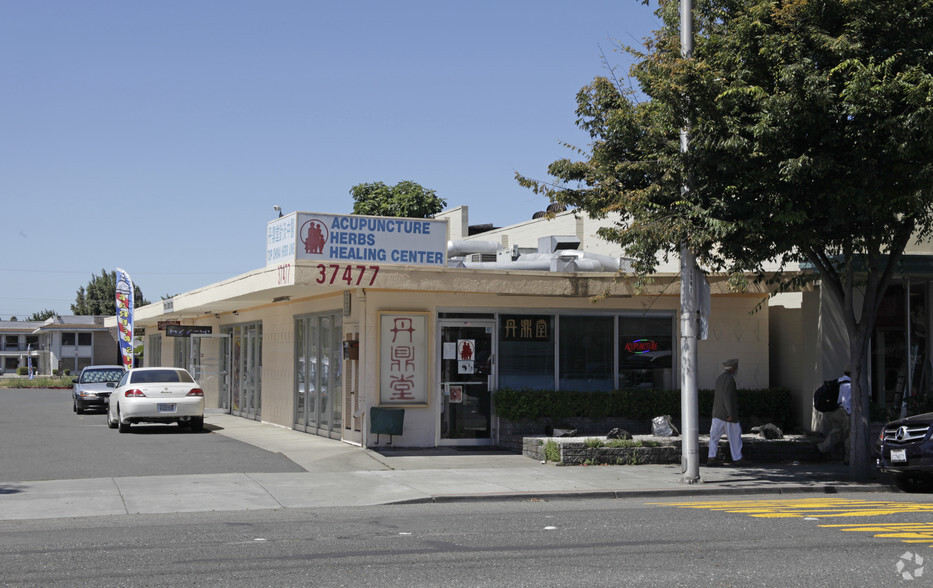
<point x="586" y="352"/>
<point x="526" y="352"/>
<point x="590" y="349"/>
<point x="646" y="352"/>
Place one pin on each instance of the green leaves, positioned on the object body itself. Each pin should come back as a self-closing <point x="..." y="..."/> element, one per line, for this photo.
<point x="405" y="199"/>
<point x="99" y="296"/>
<point x="811" y="129"/>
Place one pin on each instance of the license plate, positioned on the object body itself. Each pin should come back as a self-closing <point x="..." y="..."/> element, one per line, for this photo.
<point x="171" y="408"/>
<point x="898" y="456"/>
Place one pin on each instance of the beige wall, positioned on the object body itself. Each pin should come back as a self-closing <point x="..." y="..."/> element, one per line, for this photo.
<point x="735" y="331"/>
<point x="794" y="351"/>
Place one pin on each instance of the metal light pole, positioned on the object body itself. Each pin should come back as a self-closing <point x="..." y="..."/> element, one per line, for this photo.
<point x="689" y="304"/>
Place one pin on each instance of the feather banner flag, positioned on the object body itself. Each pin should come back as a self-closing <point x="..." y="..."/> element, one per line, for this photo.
<point x="125" y="317"/>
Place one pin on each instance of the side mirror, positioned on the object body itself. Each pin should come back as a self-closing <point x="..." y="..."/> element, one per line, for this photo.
<point x="74" y="381"/>
<point x="111" y="384"/>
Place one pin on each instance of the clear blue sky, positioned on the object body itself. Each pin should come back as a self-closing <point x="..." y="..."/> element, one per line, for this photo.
<point x="156" y="136"/>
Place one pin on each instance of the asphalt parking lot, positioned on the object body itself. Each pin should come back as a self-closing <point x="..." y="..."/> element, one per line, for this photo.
<point x="43" y="439"/>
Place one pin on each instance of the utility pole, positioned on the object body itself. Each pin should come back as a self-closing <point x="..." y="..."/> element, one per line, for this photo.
<point x="689" y="304"/>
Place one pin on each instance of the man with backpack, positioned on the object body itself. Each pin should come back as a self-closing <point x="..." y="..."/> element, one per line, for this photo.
<point x="839" y="419"/>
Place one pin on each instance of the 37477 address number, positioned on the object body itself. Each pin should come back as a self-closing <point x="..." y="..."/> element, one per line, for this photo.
<point x="352" y="275"/>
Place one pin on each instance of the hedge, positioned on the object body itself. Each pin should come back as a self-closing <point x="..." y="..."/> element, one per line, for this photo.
<point x="524" y="404"/>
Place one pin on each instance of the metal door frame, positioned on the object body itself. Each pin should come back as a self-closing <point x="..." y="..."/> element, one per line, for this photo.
<point x="252" y="370"/>
<point x="492" y="378"/>
<point x="194" y="365"/>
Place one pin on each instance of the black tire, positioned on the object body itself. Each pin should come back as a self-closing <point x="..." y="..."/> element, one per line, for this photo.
<point x="110" y="424"/>
<point x="196" y="424"/>
<point x="907" y="483"/>
<point x="123" y="427"/>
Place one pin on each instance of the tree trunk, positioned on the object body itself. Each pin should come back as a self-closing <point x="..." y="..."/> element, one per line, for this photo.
<point x="861" y="466"/>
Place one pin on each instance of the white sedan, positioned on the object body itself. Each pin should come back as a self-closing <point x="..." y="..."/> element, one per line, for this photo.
<point x="156" y="395"/>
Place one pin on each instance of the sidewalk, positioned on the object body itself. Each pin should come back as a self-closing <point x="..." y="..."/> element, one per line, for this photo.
<point x="339" y="474"/>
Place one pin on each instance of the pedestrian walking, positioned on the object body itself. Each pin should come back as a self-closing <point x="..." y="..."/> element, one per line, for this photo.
<point x="726" y="416"/>
<point x="839" y="419"/>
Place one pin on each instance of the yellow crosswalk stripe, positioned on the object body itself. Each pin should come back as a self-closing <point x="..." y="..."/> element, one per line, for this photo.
<point x="829" y="507"/>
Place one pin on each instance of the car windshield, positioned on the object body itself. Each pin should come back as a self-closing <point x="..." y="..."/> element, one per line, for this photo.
<point x="95" y="376"/>
<point x="154" y="376"/>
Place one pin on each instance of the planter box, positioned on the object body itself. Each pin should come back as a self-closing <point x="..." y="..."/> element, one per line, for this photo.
<point x="574" y="451"/>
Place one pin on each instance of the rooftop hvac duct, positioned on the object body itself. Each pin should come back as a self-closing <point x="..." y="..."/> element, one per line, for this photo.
<point x="465" y="247"/>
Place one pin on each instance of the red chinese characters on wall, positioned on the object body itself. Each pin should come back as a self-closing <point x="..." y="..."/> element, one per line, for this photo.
<point x="404" y="359"/>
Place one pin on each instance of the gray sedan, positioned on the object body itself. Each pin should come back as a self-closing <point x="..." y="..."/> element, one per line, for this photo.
<point x="90" y="387"/>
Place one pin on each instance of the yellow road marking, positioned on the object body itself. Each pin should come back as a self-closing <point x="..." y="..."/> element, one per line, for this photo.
<point x="828" y="507"/>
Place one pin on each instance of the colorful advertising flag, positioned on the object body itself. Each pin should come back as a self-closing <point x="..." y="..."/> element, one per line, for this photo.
<point x="125" y="317"/>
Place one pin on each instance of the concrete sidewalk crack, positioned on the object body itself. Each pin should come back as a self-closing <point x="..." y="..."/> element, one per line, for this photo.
<point x="266" y="490"/>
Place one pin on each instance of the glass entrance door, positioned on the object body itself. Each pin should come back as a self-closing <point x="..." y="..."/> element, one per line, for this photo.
<point x="245" y="371"/>
<point x="209" y="368"/>
<point x="318" y="374"/>
<point x="467" y="362"/>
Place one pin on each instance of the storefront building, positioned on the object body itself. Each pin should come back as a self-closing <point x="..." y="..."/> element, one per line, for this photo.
<point x="356" y="319"/>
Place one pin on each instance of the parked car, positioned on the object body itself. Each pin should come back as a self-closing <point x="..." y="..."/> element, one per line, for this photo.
<point x="90" y="389"/>
<point x="156" y="395"/>
<point x="904" y="449"/>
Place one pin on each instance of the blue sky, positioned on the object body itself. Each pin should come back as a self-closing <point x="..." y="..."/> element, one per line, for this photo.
<point x="157" y="136"/>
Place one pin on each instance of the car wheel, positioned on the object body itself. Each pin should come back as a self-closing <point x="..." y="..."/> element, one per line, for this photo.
<point x="123" y="427"/>
<point x="112" y="424"/>
<point x="74" y="405"/>
<point x="913" y="483"/>
<point x="196" y="424"/>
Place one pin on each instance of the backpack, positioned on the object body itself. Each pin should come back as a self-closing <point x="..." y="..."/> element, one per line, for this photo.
<point x="826" y="397"/>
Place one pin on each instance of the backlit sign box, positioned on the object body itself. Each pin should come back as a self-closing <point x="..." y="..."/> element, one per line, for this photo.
<point x="356" y="239"/>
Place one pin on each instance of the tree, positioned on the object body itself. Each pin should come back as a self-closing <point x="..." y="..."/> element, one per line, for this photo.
<point x="42" y="315"/>
<point x="405" y="199"/>
<point x="99" y="296"/>
<point x="811" y="141"/>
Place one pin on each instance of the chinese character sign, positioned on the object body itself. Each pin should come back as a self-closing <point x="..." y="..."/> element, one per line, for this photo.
<point x="404" y="359"/>
<point x="526" y="328"/>
<point x="125" y="317"/>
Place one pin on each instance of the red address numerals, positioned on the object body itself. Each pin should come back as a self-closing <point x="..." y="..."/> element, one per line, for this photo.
<point x="351" y="275"/>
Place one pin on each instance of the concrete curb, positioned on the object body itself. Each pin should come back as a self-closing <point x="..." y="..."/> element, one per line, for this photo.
<point x="687" y="491"/>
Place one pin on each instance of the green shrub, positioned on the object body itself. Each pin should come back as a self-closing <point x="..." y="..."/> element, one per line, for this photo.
<point x="22" y="371"/>
<point x="552" y="451"/>
<point x="525" y="404"/>
<point x="37" y="382"/>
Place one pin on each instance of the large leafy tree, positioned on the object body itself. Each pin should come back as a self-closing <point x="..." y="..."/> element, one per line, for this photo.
<point x="811" y="142"/>
<point x="99" y="296"/>
<point x="404" y="199"/>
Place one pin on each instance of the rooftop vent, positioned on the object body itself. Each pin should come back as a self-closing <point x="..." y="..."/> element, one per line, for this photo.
<point x="557" y="243"/>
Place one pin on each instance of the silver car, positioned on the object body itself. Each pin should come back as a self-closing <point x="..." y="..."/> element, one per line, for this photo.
<point x="156" y="395"/>
<point x="90" y="389"/>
